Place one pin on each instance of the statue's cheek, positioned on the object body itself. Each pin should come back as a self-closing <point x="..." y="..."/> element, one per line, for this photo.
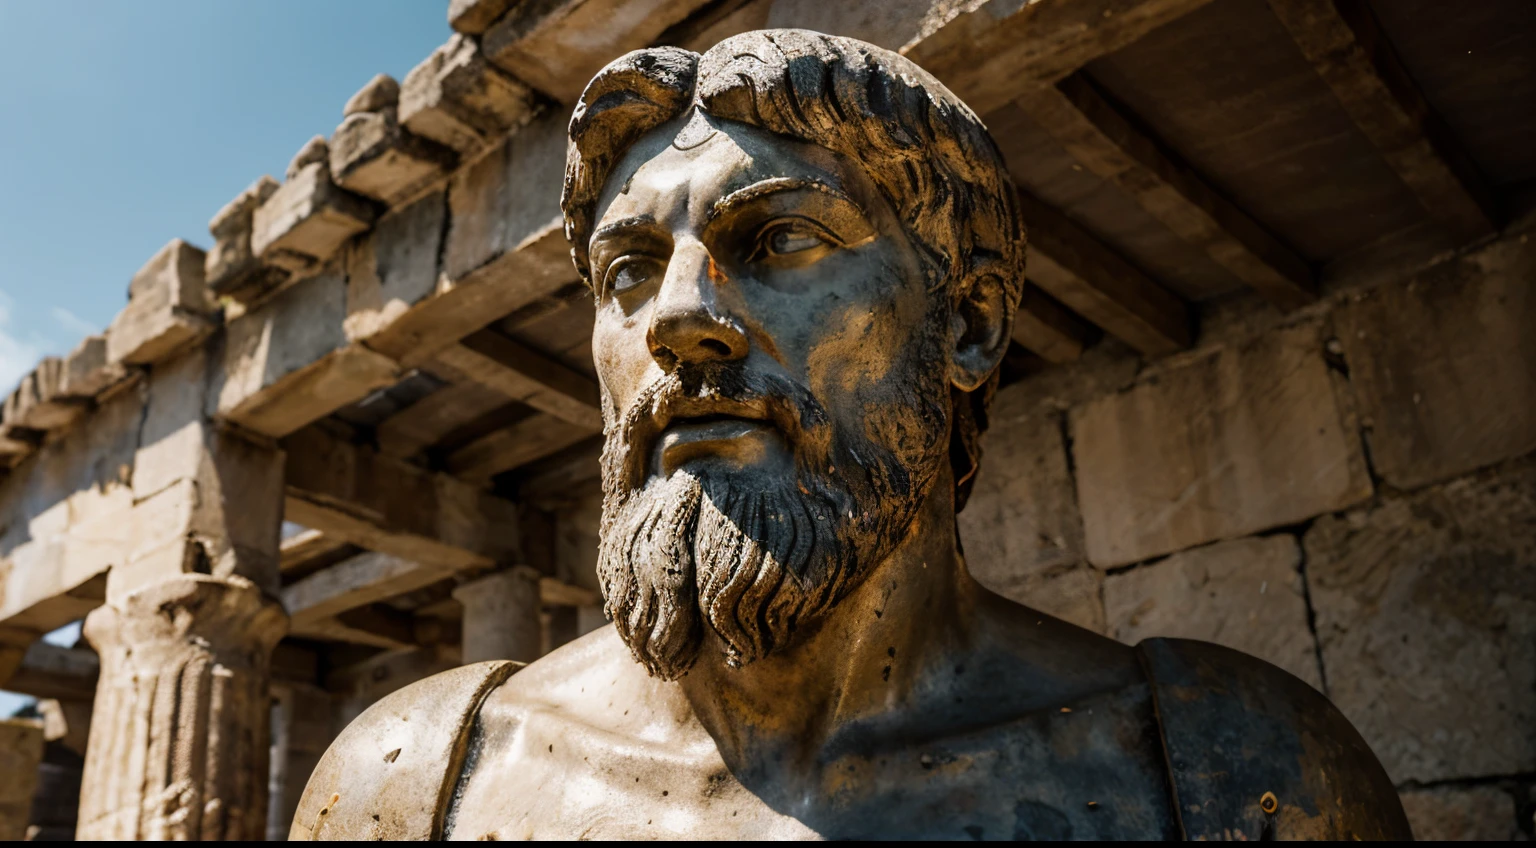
<point x="620" y="353"/>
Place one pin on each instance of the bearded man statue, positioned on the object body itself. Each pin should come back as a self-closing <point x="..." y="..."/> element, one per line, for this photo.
<point x="806" y="255"/>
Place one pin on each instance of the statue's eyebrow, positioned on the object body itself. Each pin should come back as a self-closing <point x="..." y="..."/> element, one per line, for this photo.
<point x="774" y="185"/>
<point x="630" y="223"/>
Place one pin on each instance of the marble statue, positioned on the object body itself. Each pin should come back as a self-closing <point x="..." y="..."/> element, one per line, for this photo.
<point x="806" y="256"/>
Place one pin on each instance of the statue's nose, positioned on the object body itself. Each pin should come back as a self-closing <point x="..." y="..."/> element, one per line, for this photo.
<point x="689" y="321"/>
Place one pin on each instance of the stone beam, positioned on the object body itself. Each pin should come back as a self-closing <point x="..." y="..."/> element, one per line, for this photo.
<point x="56" y="394"/>
<point x="527" y="376"/>
<point x="424" y="423"/>
<point x="1045" y="327"/>
<point x="373" y="625"/>
<point x="353" y="583"/>
<point x="1347" y="47"/>
<point x="999" y="48"/>
<point x="68" y="516"/>
<point x="504" y="248"/>
<point x="556" y="47"/>
<point x="383" y="504"/>
<point x="287" y="362"/>
<point x="88" y="373"/>
<point x="49" y="671"/>
<point x="535" y="437"/>
<point x="306" y="547"/>
<point x="1078" y="270"/>
<point x="1108" y="144"/>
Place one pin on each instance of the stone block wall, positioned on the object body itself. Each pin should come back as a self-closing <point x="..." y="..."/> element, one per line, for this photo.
<point x="1347" y="491"/>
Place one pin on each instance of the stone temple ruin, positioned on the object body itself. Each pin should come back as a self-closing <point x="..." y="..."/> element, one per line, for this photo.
<point x="1274" y="386"/>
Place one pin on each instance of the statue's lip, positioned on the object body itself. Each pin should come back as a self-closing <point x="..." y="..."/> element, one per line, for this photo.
<point x="702" y="410"/>
<point x="733" y="429"/>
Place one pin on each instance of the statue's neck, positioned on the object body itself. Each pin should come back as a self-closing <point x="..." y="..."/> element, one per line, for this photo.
<point x="868" y="658"/>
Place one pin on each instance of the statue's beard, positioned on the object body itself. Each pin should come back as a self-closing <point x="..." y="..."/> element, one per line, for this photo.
<point x="754" y="558"/>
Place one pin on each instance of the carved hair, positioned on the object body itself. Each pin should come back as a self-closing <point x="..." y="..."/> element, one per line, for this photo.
<point x="924" y="149"/>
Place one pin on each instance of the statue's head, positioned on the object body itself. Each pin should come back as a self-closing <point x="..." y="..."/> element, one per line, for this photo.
<point x="806" y="255"/>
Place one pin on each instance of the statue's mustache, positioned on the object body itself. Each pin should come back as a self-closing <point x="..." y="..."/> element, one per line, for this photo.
<point x="719" y="388"/>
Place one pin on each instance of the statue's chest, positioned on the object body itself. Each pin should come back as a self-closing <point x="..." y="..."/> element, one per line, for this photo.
<point x="1095" y="772"/>
<point x="549" y="779"/>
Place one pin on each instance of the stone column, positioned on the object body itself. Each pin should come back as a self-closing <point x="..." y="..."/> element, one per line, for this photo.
<point x="21" y="749"/>
<point x="178" y="745"/>
<point x="178" y="749"/>
<point x="501" y="616"/>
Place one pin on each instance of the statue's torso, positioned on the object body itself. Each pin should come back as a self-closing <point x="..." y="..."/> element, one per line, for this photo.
<point x="540" y="768"/>
<point x="1198" y="741"/>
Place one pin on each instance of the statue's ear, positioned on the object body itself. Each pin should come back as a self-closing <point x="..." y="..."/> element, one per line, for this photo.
<point x="979" y="329"/>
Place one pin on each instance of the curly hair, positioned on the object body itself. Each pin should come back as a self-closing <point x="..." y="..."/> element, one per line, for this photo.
<point x="925" y="150"/>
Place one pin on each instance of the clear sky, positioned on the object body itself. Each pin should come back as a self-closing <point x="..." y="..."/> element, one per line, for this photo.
<point x="124" y="125"/>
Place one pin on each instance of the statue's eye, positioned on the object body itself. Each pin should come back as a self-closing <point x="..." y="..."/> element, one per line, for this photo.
<point x="627" y="272"/>
<point x="795" y="240"/>
<point x="787" y="240"/>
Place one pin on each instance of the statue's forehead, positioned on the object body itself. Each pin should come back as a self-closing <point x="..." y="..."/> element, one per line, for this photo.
<point x="691" y="163"/>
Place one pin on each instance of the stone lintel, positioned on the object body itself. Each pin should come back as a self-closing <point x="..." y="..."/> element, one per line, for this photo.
<point x="505" y="248"/>
<point x="287" y="362"/>
<point x="393" y="269"/>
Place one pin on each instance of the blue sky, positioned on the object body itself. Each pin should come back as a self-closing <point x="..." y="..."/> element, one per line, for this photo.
<point x="126" y="124"/>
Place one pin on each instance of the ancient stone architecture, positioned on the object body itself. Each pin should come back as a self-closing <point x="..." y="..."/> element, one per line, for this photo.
<point x="1272" y="386"/>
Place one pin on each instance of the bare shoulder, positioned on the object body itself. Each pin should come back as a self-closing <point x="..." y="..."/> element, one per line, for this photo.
<point x="1254" y="751"/>
<point x="389" y="773"/>
<point x="591" y="681"/>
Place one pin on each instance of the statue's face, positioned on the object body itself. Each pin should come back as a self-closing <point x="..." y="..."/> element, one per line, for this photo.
<point x="773" y="371"/>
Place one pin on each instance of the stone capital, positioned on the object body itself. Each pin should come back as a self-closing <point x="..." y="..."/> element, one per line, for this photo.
<point x="215" y="615"/>
<point x="180" y="741"/>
